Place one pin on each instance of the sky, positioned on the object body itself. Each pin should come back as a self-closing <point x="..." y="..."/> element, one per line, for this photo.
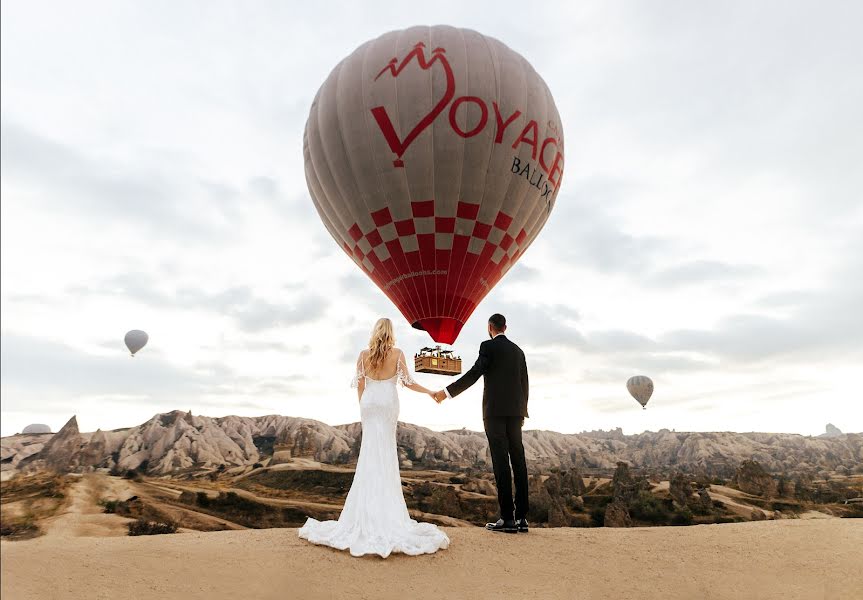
<point x="708" y="233"/>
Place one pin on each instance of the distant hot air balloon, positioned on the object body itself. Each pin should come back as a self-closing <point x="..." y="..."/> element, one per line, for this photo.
<point x="135" y="340"/>
<point x="641" y="388"/>
<point x="434" y="156"/>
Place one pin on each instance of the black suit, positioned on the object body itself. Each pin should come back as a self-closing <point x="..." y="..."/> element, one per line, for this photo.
<point x="504" y="408"/>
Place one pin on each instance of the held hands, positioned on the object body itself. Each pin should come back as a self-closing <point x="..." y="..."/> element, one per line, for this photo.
<point x="438" y="397"/>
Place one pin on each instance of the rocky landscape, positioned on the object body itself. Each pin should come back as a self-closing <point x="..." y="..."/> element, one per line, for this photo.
<point x="176" y="442"/>
<point x="202" y="473"/>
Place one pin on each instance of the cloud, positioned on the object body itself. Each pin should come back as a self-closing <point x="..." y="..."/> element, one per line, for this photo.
<point x="612" y="369"/>
<point x="364" y="294"/>
<point x="612" y="340"/>
<point x="254" y="345"/>
<point x="820" y="326"/>
<point x="544" y="326"/>
<point x="41" y="365"/>
<point x="355" y="340"/>
<point x="522" y="273"/>
<point x="45" y="369"/>
<point x="71" y="182"/>
<point x="700" y="272"/>
<point x="251" y="313"/>
<point x="254" y="315"/>
<point x="584" y="234"/>
<point x="251" y="387"/>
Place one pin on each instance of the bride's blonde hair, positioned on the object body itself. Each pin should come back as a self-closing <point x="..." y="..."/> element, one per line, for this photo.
<point x="380" y="343"/>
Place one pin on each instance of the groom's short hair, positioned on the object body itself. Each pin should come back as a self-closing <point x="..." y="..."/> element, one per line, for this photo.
<point x="498" y="321"/>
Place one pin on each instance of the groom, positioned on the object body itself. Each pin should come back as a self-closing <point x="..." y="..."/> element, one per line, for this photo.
<point x="504" y="408"/>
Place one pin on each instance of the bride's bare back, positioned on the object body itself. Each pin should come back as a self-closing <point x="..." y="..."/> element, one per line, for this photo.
<point x="387" y="369"/>
<point x="394" y="365"/>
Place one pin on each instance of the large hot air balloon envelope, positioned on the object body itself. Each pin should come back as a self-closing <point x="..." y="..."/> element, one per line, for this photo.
<point x="135" y="340"/>
<point x="434" y="156"/>
<point x="641" y="388"/>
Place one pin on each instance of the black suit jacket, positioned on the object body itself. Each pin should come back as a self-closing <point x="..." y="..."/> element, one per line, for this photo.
<point x="504" y="368"/>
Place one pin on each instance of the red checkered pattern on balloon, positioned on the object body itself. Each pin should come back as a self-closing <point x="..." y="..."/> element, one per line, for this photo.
<point x="426" y="243"/>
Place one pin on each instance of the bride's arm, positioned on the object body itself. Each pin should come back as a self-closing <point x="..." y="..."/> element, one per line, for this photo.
<point x="359" y="380"/>
<point x="361" y="387"/>
<point x="418" y="388"/>
<point x="404" y="375"/>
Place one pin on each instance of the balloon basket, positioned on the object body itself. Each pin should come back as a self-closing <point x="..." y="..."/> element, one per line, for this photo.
<point x="437" y="361"/>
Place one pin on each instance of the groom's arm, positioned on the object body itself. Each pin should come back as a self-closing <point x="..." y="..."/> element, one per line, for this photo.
<point x="479" y="368"/>
<point x="525" y="386"/>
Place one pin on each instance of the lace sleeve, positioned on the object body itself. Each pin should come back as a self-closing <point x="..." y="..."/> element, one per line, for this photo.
<point x="403" y="373"/>
<point x="360" y="372"/>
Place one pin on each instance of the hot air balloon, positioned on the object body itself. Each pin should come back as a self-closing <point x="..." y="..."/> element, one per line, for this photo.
<point x="434" y="156"/>
<point x="641" y="388"/>
<point x="135" y="340"/>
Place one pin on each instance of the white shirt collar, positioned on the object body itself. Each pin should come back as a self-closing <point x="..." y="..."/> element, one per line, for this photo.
<point x="497" y="334"/>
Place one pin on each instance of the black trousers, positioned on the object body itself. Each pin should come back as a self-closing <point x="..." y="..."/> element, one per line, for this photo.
<point x="504" y="442"/>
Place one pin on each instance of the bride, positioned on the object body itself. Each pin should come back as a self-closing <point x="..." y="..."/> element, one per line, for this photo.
<point x="375" y="518"/>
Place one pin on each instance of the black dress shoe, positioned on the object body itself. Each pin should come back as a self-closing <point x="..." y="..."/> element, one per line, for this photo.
<point x="521" y="524"/>
<point x="504" y="526"/>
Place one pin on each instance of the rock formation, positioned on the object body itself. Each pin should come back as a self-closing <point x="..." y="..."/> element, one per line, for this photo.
<point x="480" y="486"/>
<point x="94" y="451"/>
<point x="831" y="431"/>
<point x="680" y="489"/>
<point x="753" y="479"/>
<point x="617" y="515"/>
<point x="624" y="486"/>
<point x="177" y="441"/>
<point x="546" y="501"/>
<point x="705" y="502"/>
<point x="60" y="453"/>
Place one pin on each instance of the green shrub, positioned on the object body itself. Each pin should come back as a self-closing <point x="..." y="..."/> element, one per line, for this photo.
<point x="647" y="507"/>
<point x="683" y="517"/>
<point x="145" y="527"/>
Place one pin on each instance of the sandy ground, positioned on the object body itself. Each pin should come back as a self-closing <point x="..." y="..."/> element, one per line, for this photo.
<point x="805" y="559"/>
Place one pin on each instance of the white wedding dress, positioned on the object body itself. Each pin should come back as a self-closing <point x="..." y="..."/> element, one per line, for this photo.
<point x="375" y="518"/>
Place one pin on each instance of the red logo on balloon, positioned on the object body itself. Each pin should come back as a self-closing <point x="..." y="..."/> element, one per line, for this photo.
<point x="546" y="152"/>
<point x="380" y="113"/>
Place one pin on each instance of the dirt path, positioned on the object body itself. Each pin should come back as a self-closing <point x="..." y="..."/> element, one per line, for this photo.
<point x="82" y="514"/>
